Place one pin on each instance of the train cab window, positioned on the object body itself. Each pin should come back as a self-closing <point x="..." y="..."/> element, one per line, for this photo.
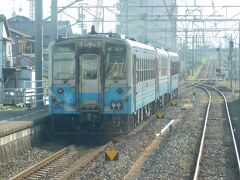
<point x="63" y="62"/>
<point x="115" y="59"/>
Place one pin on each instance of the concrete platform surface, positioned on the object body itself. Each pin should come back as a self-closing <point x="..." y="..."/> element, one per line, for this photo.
<point x="11" y="122"/>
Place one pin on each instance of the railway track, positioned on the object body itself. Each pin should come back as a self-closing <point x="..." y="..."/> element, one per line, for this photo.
<point x="189" y="134"/>
<point x="218" y="154"/>
<point x="42" y="168"/>
<point x="65" y="161"/>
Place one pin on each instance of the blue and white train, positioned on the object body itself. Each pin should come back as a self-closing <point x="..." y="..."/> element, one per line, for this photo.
<point x="104" y="77"/>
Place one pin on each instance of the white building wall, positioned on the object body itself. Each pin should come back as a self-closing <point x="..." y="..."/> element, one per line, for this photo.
<point x="1" y="53"/>
<point x="1" y="63"/>
<point x="3" y="35"/>
<point x="145" y="24"/>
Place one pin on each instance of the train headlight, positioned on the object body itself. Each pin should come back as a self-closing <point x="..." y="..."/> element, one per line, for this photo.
<point x="113" y="105"/>
<point x="116" y="104"/>
<point x="119" y="105"/>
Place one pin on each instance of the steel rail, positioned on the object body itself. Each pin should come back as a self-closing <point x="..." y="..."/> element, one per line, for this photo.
<point x="28" y="172"/>
<point x="197" y="169"/>
<point x="200" y="154"/>
<point x="232" y="131"/>
<point x="83" y="162"/>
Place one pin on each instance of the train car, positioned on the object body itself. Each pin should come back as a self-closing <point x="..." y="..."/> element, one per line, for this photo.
<point x="101" y="78"/>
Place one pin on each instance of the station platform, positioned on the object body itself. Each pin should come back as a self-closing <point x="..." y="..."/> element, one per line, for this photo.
<point x="13" y="121"/>
<point x="19" y="130"/>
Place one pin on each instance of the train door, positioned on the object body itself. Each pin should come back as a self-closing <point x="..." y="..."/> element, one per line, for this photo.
<point x="156" y="75"/>
<point x="90" y="82"/>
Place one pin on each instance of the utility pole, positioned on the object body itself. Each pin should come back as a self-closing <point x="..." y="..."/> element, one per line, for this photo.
<point x="185" y="55"/>
<point x="196" y="48"/>
<point x="38" y="51"/>
<point x="192" y="53"/>
<point x="145" y="28"/>
<point x="220" y="57"/>
<point x="230" y="61"/>
<point x="54" y="20"/>
<point x="239" y="60"/>
<point x="81" y="18"/>
<point x="126" y="17"/>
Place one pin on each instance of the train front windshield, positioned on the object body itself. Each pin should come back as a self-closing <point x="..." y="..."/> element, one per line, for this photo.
<point x="115" y="60"/>
<point x="64" y="62"/>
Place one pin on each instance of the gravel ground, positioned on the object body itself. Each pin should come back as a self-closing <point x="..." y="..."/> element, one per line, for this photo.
<point x="19" y="163"/>
<point x="175" y="157"/>
<point x="129" y="148"/>
<point x="234" y="106"/>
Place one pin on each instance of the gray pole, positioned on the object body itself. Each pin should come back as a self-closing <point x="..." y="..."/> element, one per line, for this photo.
<point x="82" y="25"/>
<point x="192" y="54"/>
<point x="239" y="59"/>
<point x="38" y="50"/>
<point x="185" y="52"/>
<point x="196" y="48"/>
<point x="126" y="19"/>
<point x="219" y="56"/>
<point x="230" y="62"/>
<point x="145" y="29"/>
<point x="103" y="20"/>
<point x="54" y="20"/>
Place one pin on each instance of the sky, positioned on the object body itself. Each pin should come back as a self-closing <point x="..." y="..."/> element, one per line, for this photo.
<point x="21" y="7"/>
<point x="216" y="38"/>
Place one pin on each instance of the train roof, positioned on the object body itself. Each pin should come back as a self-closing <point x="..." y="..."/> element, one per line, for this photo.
<point x="122" y="39"/>
<point x="174" y="56"/>
<point x="140" y="45"/>
<point x="162" y="52"/>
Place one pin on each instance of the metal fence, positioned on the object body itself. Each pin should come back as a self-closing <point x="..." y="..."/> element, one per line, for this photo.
<point x="32" y="94"/>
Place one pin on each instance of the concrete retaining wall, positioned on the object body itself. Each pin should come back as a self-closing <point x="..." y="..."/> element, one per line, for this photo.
<point x="22" y="139"/>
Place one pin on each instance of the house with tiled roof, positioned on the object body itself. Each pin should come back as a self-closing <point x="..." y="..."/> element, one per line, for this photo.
<point x="23" y="34"/>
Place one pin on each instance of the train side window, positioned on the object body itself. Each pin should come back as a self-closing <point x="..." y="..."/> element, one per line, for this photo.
<point x="147" y="77"/>
<point x="148" y="72"/>
<point x="151" y="71"/>
<point x="140" y="69"/>
<point x="141" y="60"/>
<point x="137" y="69"/>
<point x="144" y="69"/>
